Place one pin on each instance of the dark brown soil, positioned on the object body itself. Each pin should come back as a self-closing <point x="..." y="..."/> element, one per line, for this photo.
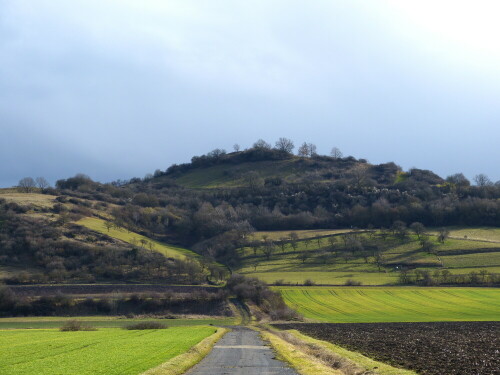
<point x="440" y="348"/>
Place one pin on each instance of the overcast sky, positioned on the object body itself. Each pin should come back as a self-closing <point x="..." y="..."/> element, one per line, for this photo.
<point x="119" y="88"/>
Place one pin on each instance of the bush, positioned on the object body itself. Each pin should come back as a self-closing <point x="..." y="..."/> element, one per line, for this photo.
<point x="351" y="282"/>
<point x="76" y="325"/>
<point x="146" y="325"/>
<point x="309" y="282"/>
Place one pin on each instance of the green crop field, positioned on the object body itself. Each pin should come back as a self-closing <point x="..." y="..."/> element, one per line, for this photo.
<point x="313" y="257"/>
<point x="393" y="304"/>
<point x="122" y="234"/>
<point x="107" y="351"/>
<point x="105" y="321"/>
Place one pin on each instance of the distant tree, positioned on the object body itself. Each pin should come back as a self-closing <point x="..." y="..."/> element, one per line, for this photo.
<point x="285" y="145"/>
<point x="261" y="144"/>
<point x="148" y="177"/>
<point x="418" y="229"/>
<point x="427" y="245"/>
<point x="458" y="179"/>
<point x="482" y="180"/>
<point x="399" y="229"/>
<point x="268" y="248"/>
<point x="283" y="241"/>
<point x="27" y="184"/>
<point x="303" y="256"/>
<point x="319" y="241"/>
<point x="151" y="245"/>
<point x="108" y="225"/>
<point x="336" y="153"/>
<point x="383" y="233"/>
<point x="443" y="234"/>
<point x="307" y="150"/>
<point x="216" y="153"/>
<point x="236" y="147"/>
<point x="307" y="242"/>
<point x="143" y="242"/>
<point x="379" y="260"/>
<point x="333" y="244"/>
<point x="42" y="183"/>
<point x="293" y="240"/>
<point x="255" y="264"/>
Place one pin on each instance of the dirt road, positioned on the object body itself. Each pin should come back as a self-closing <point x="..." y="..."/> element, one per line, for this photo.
<point x="241" y="352"/>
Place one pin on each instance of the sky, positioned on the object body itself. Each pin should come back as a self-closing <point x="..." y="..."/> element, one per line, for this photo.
<point x="119" y="88"/>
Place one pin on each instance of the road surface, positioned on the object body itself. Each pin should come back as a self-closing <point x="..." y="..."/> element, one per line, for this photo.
<point x="241" y="352"/>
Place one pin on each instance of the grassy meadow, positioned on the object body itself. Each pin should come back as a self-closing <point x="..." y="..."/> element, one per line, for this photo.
<point x="106" y="351"/>
<point x="122" y="234"/>
<point x="316" y="259"/>
<point x="393" y="304"/>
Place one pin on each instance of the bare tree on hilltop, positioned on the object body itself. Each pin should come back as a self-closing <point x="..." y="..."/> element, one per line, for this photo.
<point x="336" y="153"/>
<point x="285" y="145"/>
<point x="261" y="144"/>
<point x="307" y="150"/>
<point x="42" y="183"/>
<point x="27" y="184"/>
<point x="482" y="180"/>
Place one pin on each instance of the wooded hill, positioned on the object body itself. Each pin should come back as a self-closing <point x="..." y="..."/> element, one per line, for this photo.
<point x="212" y="204"/>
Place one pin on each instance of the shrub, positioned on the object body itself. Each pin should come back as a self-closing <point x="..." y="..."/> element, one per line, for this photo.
<point x="351" y="282"/>
<point x="76" y="325"/>
<point x="146" y="325"/>
<point x="309" y="282"/>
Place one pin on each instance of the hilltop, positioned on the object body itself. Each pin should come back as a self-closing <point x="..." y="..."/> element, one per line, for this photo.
<point x="198" y="218"/>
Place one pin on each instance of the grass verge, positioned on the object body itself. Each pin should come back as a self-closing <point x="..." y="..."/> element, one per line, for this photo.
<point x="303" y="363"/>
<point x="315" y="357"/>
<point x="180" y="364"/>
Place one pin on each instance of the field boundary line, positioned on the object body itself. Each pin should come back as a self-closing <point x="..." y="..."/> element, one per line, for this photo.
<point x="183" y="362"/>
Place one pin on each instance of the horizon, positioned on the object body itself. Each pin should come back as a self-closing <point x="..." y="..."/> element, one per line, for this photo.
<point x="118" y="89"/>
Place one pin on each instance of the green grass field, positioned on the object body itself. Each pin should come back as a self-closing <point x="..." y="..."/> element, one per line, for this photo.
<point x="275" y="235"/>
<point x="122" y="234"/>
<point x="25" y="199"/>
<point x="232" y="176"/>
<point x="107" y="351"/>
<point x="45" y="322"/>
<point x="327" y="267"/>
<point x="478" y="233"/>
<point x="393" y="304"/>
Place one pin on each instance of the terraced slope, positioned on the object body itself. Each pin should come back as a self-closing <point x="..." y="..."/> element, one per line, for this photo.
<point x="314" y="258"/>
<point x="394" y="304"/>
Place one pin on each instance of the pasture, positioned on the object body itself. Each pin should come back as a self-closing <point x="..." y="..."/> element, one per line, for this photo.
<point x="106" y="351"/>
<point x="393" y="304"/>
<point x="327" y="258"/>
<point x="32" y="199"/>
<point x="122" y="234"/>
<point x="276" y="235"/>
